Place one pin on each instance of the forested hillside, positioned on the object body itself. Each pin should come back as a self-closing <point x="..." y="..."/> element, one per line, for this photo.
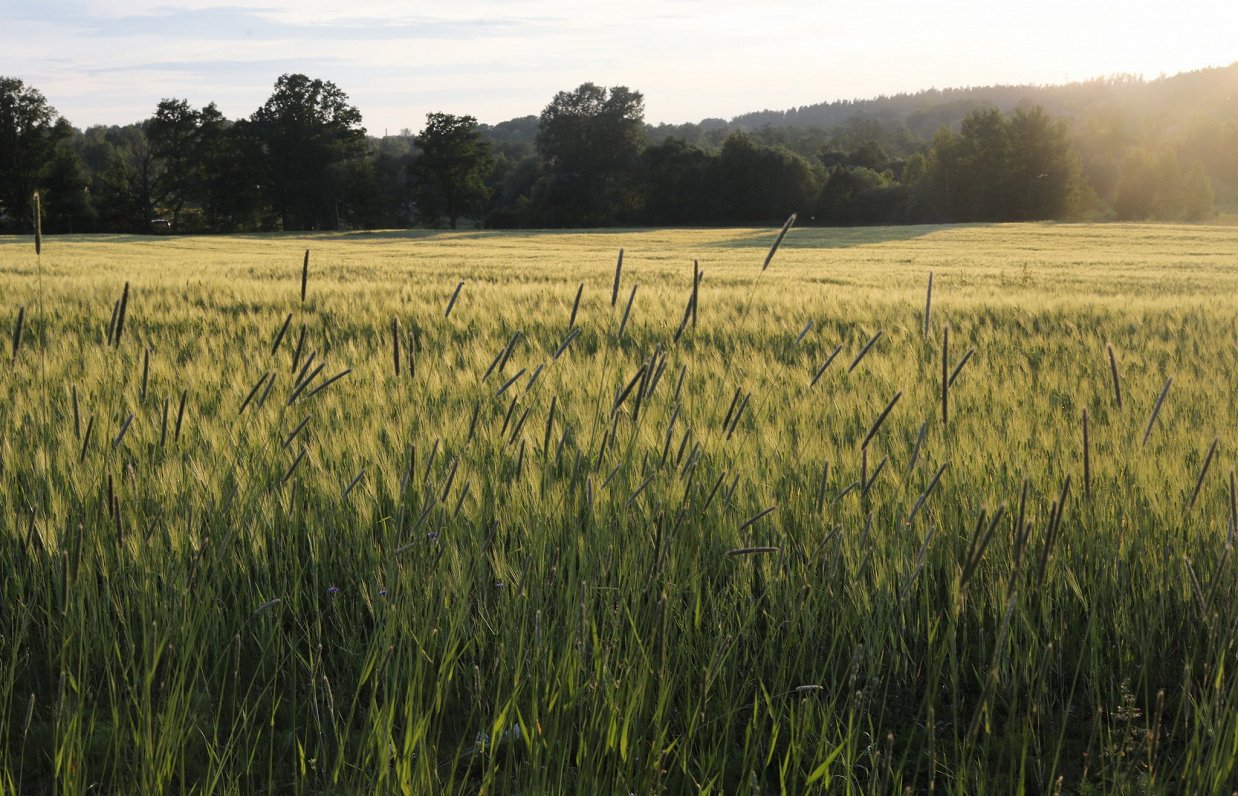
<point x="1112" y="148"/>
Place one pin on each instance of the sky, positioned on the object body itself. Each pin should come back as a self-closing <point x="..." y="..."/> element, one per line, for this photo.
<point x="112" y="61"/>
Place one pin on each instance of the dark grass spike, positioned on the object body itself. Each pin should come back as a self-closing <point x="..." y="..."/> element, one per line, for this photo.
<point x="696" y="285"/>
<point x="430" y="461"/>
<point x="451" y="477"/>
<point x="928" y="304"/>
<point x="683" y="446"/>
<point x="1233" y="510"/>
<point x="1087" y="460"/>
<point x="1156" y="410"/>
<point x="807" y="328"/>
<point x="301" y="377"/>
<point x="352" y="484"/>
<point x="292" y="468"/>
<point x="395" y="345"/>
<point x="300" y="388"/>
<point x="550" y="422"/>
<point x="412" y="351"/>
<point x="867" y="347"/>
<point x="782" y="233"/>
<point x="473" y="422"/>
<point x="507" y="418"/>
<point x="683" y="322"/>
<point x="748" y="523"/>
<point x="945" y="375"/>
<point x="925" y="495"/>
<point x="120" y="315"/>
<point x="637" y="492"/>
<point x="726" y="421"/>
<point x="507" y="352"/>
<point x="954" y="374"/>
<point x="748" y="551"/>
<point x="1203" y="472"/>
<point x="452" y="302"/>
<point x="623" y="324"/>
<point x="1020" y="529"/>
<point x="739" y="413"/>
<point x="77" y="417"/>
<point x="880" y="419"/>
<point x="873" y="478"/>
<point x="328" y="383"/>
<point x="296" y="352"/>
<point x="713" y="492"/>
<point x="494" y="363"/>
<point x="180" y="415"/>
<point x="304" y="275"/>
<point x="300" y="426"/>
<point x="17" y="331"/>
<point x="124" y="429"/>
<point x="519" y="425"/>
<point x="640" y="390"/>
<point x="976" y="552"/>
<point x="915" y="449"/>
<point x="825" y="474"/>
<point x="631" y="384"/>
<point x="145" y="375"/>
<point x="509" y="383"/>
<point x="90" y="426"/>
<point x="571" y="321"/>
<point x="683" y="371"/>
<point x="614" y="291"/>
<point x="266" y="391"/>
<point x="111" y="325"/>
<point x="567" y="341"/>
<point x="533" y="379"/>
<point x="279" y="336"/>
<point x="1113" y="370"/>
<point x="816" y="377"/>
<point x="252" y="392"/>
<point x="670" y="434"/>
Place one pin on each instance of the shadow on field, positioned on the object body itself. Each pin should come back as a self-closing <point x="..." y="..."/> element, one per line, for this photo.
<point x="833" y="237"/>
<point x="727" y="238"/>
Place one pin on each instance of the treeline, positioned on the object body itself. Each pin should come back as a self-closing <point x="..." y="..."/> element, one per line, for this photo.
<point x="303" y="161"/>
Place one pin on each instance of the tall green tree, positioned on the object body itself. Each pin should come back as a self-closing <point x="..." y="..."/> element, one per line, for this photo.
<point x="304" y="131"/>
<point x="591" y="139"/>
<point x="173" y="133"/>
<point x="30" y="130"/>
<point x="449" y="176"/>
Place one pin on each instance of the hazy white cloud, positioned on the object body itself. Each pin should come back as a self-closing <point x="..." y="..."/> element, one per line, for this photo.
<point x="111" y="62"/>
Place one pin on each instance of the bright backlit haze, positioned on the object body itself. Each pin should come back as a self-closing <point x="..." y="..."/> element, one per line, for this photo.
<point x="111" y="61"/>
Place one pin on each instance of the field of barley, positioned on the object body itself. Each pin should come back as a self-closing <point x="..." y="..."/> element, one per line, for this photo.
<point x="518" y="513"/>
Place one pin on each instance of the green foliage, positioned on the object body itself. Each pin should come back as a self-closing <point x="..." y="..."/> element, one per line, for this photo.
<point x="449" y="175"/>
<point x="591" y="140"/>
<point x="1154" y="186"/>
<point x="998" y="168"/>
<point x="304" y="131"/>
<point x="30" y="130"/>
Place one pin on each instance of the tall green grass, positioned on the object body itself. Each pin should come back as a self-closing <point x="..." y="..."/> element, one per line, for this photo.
<point x="447" y="581"/>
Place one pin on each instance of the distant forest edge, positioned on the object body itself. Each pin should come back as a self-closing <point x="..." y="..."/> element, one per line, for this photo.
<point x="1118" y="148"/>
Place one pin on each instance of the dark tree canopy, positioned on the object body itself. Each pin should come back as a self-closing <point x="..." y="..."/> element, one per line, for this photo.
<point x="306" y="129"/>
<point x="449" y="176"/>
<point x="30" y="129"/>
<point x="591" y="140"/>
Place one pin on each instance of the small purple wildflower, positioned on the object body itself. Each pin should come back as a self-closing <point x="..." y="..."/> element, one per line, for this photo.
<point x="432" y="536"/>
<point x="334" y="590"/>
